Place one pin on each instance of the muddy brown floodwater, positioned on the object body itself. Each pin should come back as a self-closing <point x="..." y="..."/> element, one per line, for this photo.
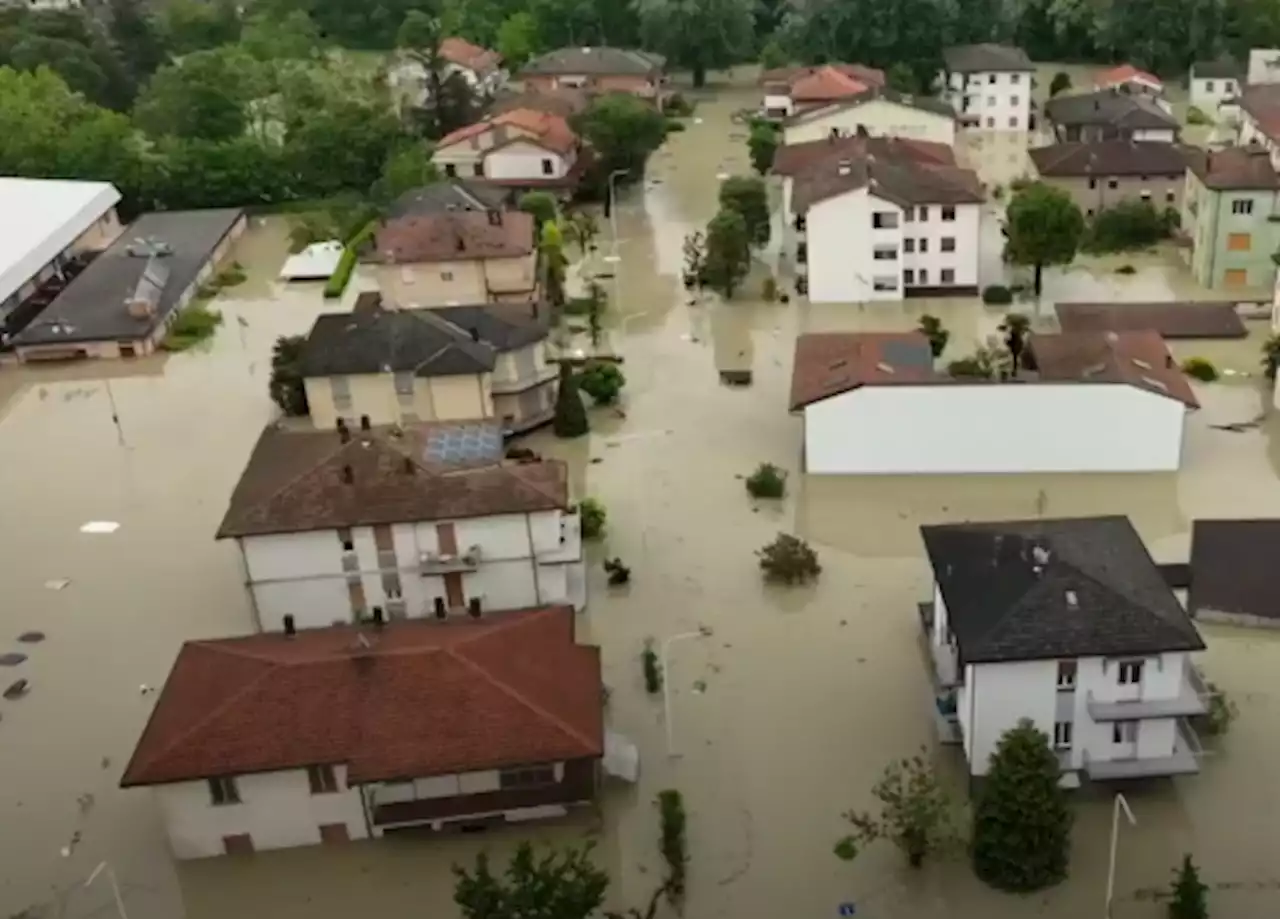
<point x="783" y="717"/>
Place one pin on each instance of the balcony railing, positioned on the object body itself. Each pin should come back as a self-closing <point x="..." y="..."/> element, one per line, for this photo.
<point x="1192" y="699"/>
<point x="1184" y="760"/>
<point x="441" y="563"/>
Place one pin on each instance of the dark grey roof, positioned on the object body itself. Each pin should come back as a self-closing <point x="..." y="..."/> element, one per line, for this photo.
<point x="986" y="58"/>
<point x="1224" y="69"/>
<point x="442" y="197"/>
<point x="505" y="327"/>
<point x="392" y="341"/>
<point x="1111" y="158"/>
<point x="1233" y="568"/>
<point x="95" y="306"/>
<point x="1041" y="589"/>
<point x="600" y="60"/>
<point x="1108" y="107"/>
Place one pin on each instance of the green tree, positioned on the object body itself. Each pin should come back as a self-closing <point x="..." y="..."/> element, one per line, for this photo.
<point x="339" y="146"/>
<point x="407" y="167"/>
<point x="915" y="812"/>
<point x="1061" y="83"/>
<point x="1016" y="327"/>
<point x="1022" y="821"/>
<point x="773" y="55"/>
<point x="286" y="387"/>
<point x="571" y="415"/>
<point x="582" y="229"/>
<point x="698" y="35"/>
<point x="204" y="95"/>
<point x="561" y="884"/>
<point x="623" y="130"/>
<point x="542" y="205"/>
<point x="137" y="38"/>
<point x="749" y="196"/>
<point x="270" y="37"/>
<point x="517" y="39"/>
<point x="1043" y="226"/>
<point x="602" y="381"/>
<point x="554" y="262"/>
<point x="762" y="144"/>
<point x="196" y="25"/>
<point x="450" y="102"/>
<point x="728" y="252"/>
<point x="931" y="328"/>
<point x="1188" y="897"/>
<point x="902" y="78"/>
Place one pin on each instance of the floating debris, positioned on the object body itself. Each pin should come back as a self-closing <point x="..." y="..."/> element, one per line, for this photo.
<point x="12" y="659"/>
<point x="31" y="638"/>
<point x="100" y="526"/>
<point x="700" y="686"/>
<point x="17" y="689"/>
<point x="56" y="583"/>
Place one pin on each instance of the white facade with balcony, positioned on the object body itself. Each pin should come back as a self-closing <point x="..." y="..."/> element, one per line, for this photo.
<point x="856" y="247"/>
<point x="991" y="101"/>
<point x="415" y="570"/>
<point x="1107" y="717"/>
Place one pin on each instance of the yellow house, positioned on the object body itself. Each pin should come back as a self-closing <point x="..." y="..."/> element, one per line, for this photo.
<point x="457" y="257"/>
<point x="378" y="366"/>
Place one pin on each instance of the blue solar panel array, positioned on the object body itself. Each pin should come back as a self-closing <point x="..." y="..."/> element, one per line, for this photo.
<point x="464" y="444"/>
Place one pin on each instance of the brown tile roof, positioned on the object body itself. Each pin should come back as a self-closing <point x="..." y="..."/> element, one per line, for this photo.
<point x="1213" y="319"/>
<point x="295" y="481"/>
<point x="1123" y="74"/>
<point x="1233" y="568"/>
<point x="453" y="237"/>
<point x="461" y="52"/>
<point x="824" y="82"/>
<point x="538" y="127"/>
<point x="1262" y="101"/>
<point x="1111" y="158"/>
<point x="902" y="180"/>
<point x="564" y="102"/>
<point x="793" y="159"/>
<point x="829" y="363"/>
<point x="1137" y="358"/>
<point x="424" y="698"/>
<point x="1237" y="168"/>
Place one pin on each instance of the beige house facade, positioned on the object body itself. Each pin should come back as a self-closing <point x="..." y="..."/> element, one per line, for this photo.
<point x="1100" y="175"/>
<point x="458" y="281"/>
<point x="395" y="398"/>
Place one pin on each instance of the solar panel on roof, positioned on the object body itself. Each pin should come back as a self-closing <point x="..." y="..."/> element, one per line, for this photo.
<point x="906" y="354"/>
<point x="464" y="444"/>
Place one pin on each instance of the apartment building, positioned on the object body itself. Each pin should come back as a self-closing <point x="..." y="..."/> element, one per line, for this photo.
<point x="989" y="86"/>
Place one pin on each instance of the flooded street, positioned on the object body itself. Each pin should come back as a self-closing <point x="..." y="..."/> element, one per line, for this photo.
<point x="783" y="717"/>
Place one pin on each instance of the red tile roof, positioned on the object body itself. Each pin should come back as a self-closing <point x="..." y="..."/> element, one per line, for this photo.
<point x="793" y="159"/>
<point x="823" y="82"/>
<point x="1138" y="358"/>
<point x="461" y="52"/>
<point x="453" y="237"/>
<point x="829" y="363"/>
<point x="542" y="128"/>
<point x="424" y="698"/>
<point x="1124" y="74"/>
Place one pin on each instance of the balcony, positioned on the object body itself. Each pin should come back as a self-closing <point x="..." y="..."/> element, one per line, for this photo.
<point x="442" y="563"/>
<point x="1185" y="760"/>
<point x="1192" y="699"/>
<point x="528" y="381"/>
<point x="946" y="718"/>
<point x="942" y="659"/>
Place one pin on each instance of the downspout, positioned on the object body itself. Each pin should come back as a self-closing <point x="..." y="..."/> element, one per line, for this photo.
<point x="973" y="726"/>
<point x="248" y="583"/>
<point x="364" y="809"/>
<point x="533" y="559"/>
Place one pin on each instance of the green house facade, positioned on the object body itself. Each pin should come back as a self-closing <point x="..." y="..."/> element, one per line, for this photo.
<point x="1231" y="214"/>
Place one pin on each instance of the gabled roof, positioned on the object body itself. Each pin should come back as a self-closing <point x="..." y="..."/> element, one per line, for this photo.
<point x="1186" y="319"/>
<point x="1262" y="102"/>
<point x="544" y="129"/>
<point x="1125" y="73"/>
<point x="986" y="58"/>
<point x="598" y="61"/>
<point x="1136" y="358"/>
<point x="1237" y="169"/>
<point x="1111" y="158"/>
<point x="1233" y="568"/>
<point x="919" y="103"/>
<point x="830" y="363"/>
<point x="302" y="480"/>
<point x="904" y="180"/>
<point x="461" y="52"/>
<point x="562" y="101"/>
<point x="822" y="83"/>
<point x="505" y="327"/>
<point x="795" y="159"/>
<point x="1222" y="69"/>
<point x="379" y="340"/>
<point x="423" y="698"/>
<point x="447" y="196"/>
<point x="453" y="237"/>
<point x="1109" y="107"/>
<point x="1043" y="589"/>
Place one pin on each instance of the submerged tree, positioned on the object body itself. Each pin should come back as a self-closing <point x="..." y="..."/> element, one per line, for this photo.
<point x="931" y="328"/>
<point x="915" y="812"/>
<point x="1043" y="226"/>
<point x="1187" y="900"/>
<point x="728" y="252"/>
<point x="571" y="415"/>
<point x="762" y="144"/>
<point x="286" y="387"/>
<point x="1016" y="327"/>
<point x="749" y="197"/>
<point x="695" y="260"/>
<point x="560" y="884"/>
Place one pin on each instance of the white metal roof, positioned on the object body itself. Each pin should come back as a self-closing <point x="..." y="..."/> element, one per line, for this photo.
<point x="39" y="218"/>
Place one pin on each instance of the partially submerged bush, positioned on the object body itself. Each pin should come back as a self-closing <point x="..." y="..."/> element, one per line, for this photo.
<point x="996" y="295"/>
<point x="677" y="106"/>
<point x="1196" y="116"/>
<point x="671" y="816"/>
<point x="337" y="283"/>
<point x="652" y="668"/>
<point x="1222" y="711"/>
<point x="789" y="560"/>
<point x="192" y="324"/>
<point x="1200" y="368"/>
<point x="602" y="381"/>
<point x="768" y="481"/>
<point x="593" y="515"/>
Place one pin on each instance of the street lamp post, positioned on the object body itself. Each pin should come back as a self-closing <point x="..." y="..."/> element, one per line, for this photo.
<point x="613" y="211"/>
<point x="703" y="632"/>
<point x="1120" y="804"/>
<point x="115" y="886"/>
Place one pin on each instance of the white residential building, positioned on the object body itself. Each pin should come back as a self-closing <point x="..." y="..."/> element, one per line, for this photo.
<point x="989" y="86"/>
<point x="885" y="222"/>
<point x="330" y="735"/>
<point x="1069" y="624"/>
<point x="877" y="112"/>
<point x="874" y="404"/>
<point x="479" y="67"/>
<point x="344" y="526"/>
<point x="1264" y="66"/>
<point x="1213" y="83"/>
<point x="520" y="148"/>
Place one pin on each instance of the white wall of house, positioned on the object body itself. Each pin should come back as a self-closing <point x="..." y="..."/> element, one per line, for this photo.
<point x="929" y="231"/>
<point x="525" y="160"/>
<point x="778" y="105"/>
<point x="1264" y="65"/>
<point x="1061" y="427"/>
<point x="995" y="101"/>
<point x="277" y="810"/>
<point x="841" y="241"/>
<point x="880" y="117"/>
<point x="522" y="563"/>
<point x="1207" y="94"/>
<point x="1156" y="135"/>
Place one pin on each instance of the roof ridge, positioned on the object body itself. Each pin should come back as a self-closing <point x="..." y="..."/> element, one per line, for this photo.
<point x="511" y="471"/>
<point x="457" y="653"/>
<point x="289" y="483"/>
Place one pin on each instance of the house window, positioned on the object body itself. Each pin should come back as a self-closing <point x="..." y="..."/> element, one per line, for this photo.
<point x="1067" y="674"/>
<point x="1242" y="206"/>
<point x="548" y="167"/>
<point x="528" y="777"/>
<point x="391" y="586"/>
<point x="1113" y="184"/>
<point x="1124" y="732"/>
<point x="948" y="244"/>
<point x="924" y="214"/>
<point x="924" y="275"/>
<point x="340" y="389"/>
<point x="344" y="537"/>
<point x="908" y="245"/>
<point x="450" y="169"/>
<point x="1229" y="86"/>
<point x="1013" y="100"/>
<point x="223" y="790"/>
<point x="922" y="245"/>
<point x="909" y="215"/>
<point x="1013" y="122"/>
<point x="1089" y="212"/>
<point x="991" y="101"/>
<point x="1208" y="86"/>
<point x="478" y="170"/>
<point x="1062" y="735"/>
<point x="404" y="387"/>
<point x="446" y="275"/>
<point x="1130" y="673"/>
<point x="991" y="78"/>
<point x="885" y="255"/>
<point x="322" y="780"/>
<point x="1093" y="183"/>
<point x="885" y="282"/>
<point x="948" y="213"/>
<point x="948" y="275"/>
<point x="884" y="220"/>
<point x="908" y="276"/>
<point x="991" y="122"/>
<point x="802" y="253"/>
<point x="1168" y="197"/>
<point x="1014" y="78"/>
<point x="1239" y="242"/>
